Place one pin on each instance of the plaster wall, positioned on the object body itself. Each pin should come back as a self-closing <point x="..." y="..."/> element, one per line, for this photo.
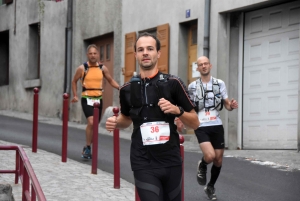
<point x="92" y="19"/>
<point x="17" y="95"/>
<point x="226" y="45"/>
<point x="137" y="16"/>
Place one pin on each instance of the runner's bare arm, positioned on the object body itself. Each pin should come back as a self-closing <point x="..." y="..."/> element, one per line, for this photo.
<point x="121" y="122"/>
<point x="76" y="77"/>
<point x="188" y="118"/>
<point x="230" y="104"/>
<point x="108" y="77"/>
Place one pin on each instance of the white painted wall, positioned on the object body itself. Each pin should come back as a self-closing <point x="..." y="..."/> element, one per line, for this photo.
<point x="95" y="18"/>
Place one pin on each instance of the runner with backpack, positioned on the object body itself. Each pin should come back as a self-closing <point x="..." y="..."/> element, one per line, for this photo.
<point x="91" y="74"/>
<point x="209" y="95"/>
<point x="151" y="101"/>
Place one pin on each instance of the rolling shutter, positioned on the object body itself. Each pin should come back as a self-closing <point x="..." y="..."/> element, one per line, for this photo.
<point x="271" y="69"/>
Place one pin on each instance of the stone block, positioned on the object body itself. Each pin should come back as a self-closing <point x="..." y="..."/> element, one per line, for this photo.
<point x="6" y="192"/>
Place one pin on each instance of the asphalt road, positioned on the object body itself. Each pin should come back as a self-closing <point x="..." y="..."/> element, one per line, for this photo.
<point x="239" y="179"/>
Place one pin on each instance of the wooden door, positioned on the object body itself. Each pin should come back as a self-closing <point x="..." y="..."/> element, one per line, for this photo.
<point x="106" y="57"/>
<point x="163" y="34"/>
<point x="192" y="54"/>
<point x="130" y="64"/>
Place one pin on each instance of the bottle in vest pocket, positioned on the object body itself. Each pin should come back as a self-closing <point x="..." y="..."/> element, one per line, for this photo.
<point x="136" y="91"/>
<point x="163" y="88"/>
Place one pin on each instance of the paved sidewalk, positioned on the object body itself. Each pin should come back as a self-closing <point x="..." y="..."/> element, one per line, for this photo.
<point x="65" y="181"/>
<point x="73" y="180"/>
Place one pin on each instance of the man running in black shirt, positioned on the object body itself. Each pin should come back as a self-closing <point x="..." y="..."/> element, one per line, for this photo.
<point x="151" y="101"/>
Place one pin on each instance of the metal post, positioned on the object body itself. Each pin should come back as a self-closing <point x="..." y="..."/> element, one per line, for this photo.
<point x="33" y="194"/>
<point x="116" y="153"/>
<point x="69" y="37"/>
<point x="35" y="119"/>
<point x="137" y="197"/>
<point x="25" y="184"/>
<point x="65" y="127"/>
<point x="95" y="138"/>
<point x="206" y="28"/>
<point x="18" y="158"/>
<point x="21" y="170"/>
<point x="181" y="140"/>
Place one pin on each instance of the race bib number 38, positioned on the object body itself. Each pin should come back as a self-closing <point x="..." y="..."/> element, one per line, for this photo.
<point x="155" y="132"/>
<point x="207" y="116"/>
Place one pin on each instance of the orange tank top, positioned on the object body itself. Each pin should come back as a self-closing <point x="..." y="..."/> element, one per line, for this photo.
<point x="92" y="82"/>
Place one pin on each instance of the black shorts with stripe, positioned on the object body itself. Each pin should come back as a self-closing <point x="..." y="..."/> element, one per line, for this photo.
<point x="212" y="134"/>
<point x="89" y="110"/>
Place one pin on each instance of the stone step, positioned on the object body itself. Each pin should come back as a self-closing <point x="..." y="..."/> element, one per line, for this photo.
<point x="6" y="192"/>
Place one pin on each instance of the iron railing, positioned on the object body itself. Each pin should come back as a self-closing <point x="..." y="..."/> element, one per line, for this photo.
<point x="24" y="171"/>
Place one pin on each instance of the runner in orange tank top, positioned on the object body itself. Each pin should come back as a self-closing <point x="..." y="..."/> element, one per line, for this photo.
<point x="91" y="76"/>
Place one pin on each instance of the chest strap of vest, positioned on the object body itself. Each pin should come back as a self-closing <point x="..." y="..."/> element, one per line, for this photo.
<point x="201" y="95"/>
<point x="136" y="99"/>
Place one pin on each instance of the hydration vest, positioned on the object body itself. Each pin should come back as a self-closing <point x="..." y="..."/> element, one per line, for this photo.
<point x="159" y="89"/>
<point x="86" y="69"/>
<point x="201" y="95"/>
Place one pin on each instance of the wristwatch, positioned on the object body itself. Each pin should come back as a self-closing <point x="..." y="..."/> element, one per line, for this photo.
<point x="181" y="112"/>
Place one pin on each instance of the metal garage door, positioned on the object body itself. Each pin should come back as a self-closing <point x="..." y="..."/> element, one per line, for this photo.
<point x="271" y="69"/>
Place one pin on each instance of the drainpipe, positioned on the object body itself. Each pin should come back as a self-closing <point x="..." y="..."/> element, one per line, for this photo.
<point x="298" y="138"/>
<point x="206" y="28"/>
<point x="15" y="16"/>
<point x="69" y="33"/>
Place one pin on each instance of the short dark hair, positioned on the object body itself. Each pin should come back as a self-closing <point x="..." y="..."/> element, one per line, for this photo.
<point x="148" y="34"/>
<point x="90" y="46"/>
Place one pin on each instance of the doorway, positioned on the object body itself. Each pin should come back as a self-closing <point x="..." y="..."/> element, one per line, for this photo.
<point x="105" y="45"/>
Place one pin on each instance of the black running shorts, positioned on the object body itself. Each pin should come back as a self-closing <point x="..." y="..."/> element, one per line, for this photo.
<point x="212" y="134"/>
<point x="159" y="184"/>
<point x="89" y="110"/>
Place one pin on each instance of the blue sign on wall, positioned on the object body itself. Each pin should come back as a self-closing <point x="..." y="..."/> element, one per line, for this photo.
<point x="188" y="13"/>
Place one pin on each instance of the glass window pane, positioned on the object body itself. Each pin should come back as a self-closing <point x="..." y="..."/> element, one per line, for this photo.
<point x="101" y="53"/>
<point x="194" y="36"/>
<point x="108" y="52"/>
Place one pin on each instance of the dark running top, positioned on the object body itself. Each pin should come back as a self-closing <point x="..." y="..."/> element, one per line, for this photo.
<point x="161" y="155"/>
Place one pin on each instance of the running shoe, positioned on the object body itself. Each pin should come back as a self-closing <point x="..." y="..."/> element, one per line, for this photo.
<point x="201" y="174"/>
<point x="86" y="153"/>
<point x="210" y="192"/>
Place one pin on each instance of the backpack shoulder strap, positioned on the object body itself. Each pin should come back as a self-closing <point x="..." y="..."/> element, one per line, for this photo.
<point x="166" y="76"/>
<point x="216" y="86"/>
<point x="215" y="81"/>
<point x="218" y="100"/>
<point x="86" y="68"/>
<point x="199" y="89"/>
<point x="101" y="68"/>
